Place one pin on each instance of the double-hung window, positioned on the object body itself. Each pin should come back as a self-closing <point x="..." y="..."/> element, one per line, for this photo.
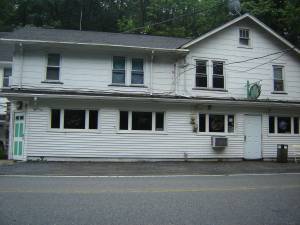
<point x="137" y="71"/>
<point x="119" y="70"/>
<point x="201" y="73"/>
<point x="141" y="121"/>
<point x="278" y="78"/>
<point x="244" y="37"/>
<point x="218" y="74"/>
<point x="53" y="67"/>
<point x="6" y="76"/>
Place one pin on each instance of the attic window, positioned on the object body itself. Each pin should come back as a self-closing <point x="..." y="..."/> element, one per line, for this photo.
<point x="244" y="38"/>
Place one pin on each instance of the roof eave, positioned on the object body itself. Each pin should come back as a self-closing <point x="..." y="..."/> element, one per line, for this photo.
<point x="166" y="50"/>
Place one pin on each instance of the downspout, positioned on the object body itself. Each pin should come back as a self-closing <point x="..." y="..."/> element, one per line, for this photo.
<point x="175" y="77"/>
<point x="151" y="73"/>
<point x="22" y="64"/>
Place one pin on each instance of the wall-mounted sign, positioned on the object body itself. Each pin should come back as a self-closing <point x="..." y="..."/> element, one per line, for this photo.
<point x="253" y="90"/>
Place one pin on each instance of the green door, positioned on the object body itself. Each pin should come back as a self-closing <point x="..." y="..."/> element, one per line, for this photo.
<point x="18" y="144"/>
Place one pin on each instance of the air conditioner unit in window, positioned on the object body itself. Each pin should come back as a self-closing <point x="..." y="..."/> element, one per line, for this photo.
<point x="219" y="142"/>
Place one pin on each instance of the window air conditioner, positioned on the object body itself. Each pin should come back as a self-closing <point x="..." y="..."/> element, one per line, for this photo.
<point x="218" y="142"/>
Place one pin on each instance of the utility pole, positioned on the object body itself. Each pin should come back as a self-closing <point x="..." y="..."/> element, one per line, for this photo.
<point x="80" y="22"/>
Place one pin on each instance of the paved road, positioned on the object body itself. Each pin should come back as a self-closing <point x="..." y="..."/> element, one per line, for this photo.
<point x="183" y="200"/>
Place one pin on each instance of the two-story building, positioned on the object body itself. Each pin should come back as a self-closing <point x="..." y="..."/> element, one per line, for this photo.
<point x="233" y="93"/>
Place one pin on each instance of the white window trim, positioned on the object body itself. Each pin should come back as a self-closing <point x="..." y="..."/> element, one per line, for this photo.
<point x="283" y="78"/>
<point x="46" y="68"/>
<point x="249" y="46"/>
<point x="61" y="129"/>
<point x="130" y="131"/>
<point x="128" y="70"/>
<point x="276" y="126"/>
<point x="225" y="125"/>
<point x="209" y="71"/>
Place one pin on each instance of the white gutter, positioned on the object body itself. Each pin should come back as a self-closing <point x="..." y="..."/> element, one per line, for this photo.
<point x="174" y="100"/>
<point x="97" y="44"/>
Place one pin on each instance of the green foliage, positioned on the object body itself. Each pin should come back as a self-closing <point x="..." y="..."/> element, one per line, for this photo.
<point x="186" y="18"/>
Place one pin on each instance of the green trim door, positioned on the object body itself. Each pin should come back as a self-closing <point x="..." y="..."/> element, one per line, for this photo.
<point x="18" y="143"/>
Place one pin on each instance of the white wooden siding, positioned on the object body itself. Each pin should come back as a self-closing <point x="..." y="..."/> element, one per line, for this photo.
<point x="107" y="142"/>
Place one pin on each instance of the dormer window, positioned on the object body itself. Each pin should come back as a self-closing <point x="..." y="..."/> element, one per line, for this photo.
<point x="244" y="38"/>
<point x="53" y="67"/>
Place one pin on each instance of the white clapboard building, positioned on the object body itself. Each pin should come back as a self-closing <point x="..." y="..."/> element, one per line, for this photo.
<point x="232" y="93"/>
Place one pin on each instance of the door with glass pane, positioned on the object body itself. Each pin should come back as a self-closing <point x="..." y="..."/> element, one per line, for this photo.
<point x="18" y="144"/>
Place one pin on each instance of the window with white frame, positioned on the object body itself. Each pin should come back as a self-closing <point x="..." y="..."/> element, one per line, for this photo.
<point x="201" y="73"/>
<point x="278" y="78"/>
<point x="53" y="67"/>
<point x="137" y="71"/>
<point x="74" y="119"/>
<point x="6" y="76"/>
<point x="218" y="74"/>
<point x="244" y="37"/>
<point x="119" y="70"/>
<point x="141" y="121"/>
<point x="283" y="125"/>
<point x="216" y="123"/>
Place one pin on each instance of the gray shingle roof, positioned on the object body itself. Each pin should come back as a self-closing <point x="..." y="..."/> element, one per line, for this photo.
<point x="76" y="36"/>
<point x="6" y="50"/>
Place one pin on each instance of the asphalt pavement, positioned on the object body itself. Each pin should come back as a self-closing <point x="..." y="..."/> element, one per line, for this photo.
<point x="204" y="199"/>
<point x="144" y="168"/>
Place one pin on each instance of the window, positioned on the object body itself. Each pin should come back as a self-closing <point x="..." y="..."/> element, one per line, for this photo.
<point x="55" y="118"/>
<point x="244" y="38"/>
<point x="142" y="121"/>
<point x="283" y="125"/>
<point x="53" y="67"/>
<point x="271" y="124"/>
<point x="7" y="74"/>
<point x="123" y="120"/>
<point x="230" y="123"/>
<point x="278" y="78"/>
<point x="218" y="74"/>
<point x="74" y="119"/>
<point x="118" y="73"/>
<point x="159" y="123"/>
<point x="93" y="119"/>
<point x="201" y="73"/>
<point x="202" y="123"/>
<point x="216" y="123"/>
<point x="137" y="71"/>
<point x="296" y="125"/>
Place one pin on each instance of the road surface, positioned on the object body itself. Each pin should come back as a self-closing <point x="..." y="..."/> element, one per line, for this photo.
<point x="183" y="200"/>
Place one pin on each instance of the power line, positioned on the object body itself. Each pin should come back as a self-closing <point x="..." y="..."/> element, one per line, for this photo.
<point x="174" y="18"/>
<point x="247" y="60"/>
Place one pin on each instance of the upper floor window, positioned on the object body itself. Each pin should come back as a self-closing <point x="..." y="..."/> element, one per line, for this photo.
<point x="53" y="67"/>
<point x="137" y="71"/>
<point x="118" y="73"/>
<point x="278" y="78"/>
<point x="244" y="37"/>
<point x="201" y="73"/>
<point x="6" y="76"/>
<point x="218" y="74"/>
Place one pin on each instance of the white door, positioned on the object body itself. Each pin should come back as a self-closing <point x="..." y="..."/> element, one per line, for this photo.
<point x="18" y="142"/>
<point x="252" y="137"/>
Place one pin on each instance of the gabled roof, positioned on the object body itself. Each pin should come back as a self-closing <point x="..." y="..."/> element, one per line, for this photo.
<point x="6" y="50"/>
<point x="254" y="19"/>
<point x="34" y="34"/>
